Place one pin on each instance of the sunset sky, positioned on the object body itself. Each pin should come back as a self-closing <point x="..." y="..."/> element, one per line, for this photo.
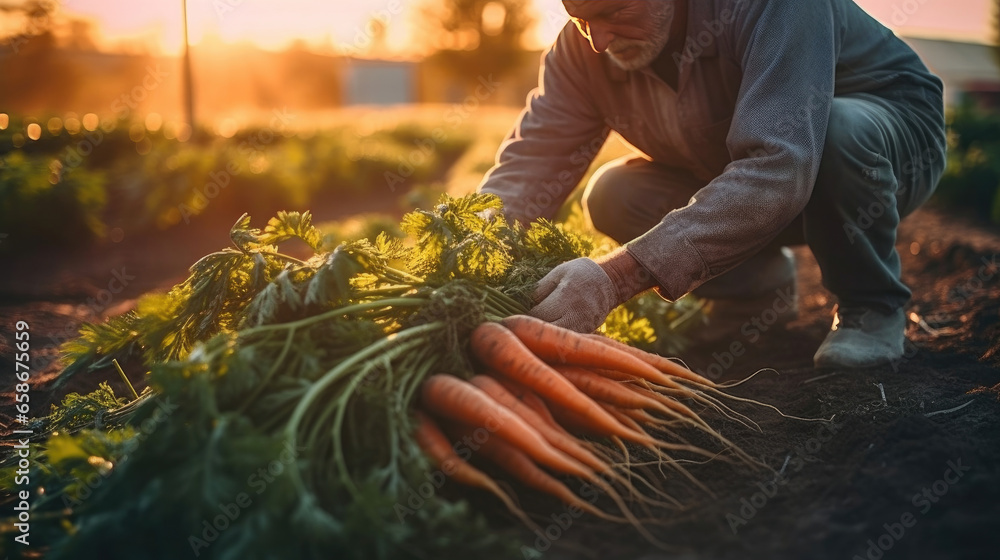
<point x="341" y="24"/>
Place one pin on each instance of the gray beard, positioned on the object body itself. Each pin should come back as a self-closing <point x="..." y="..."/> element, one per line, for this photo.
<point x="649" y="49"/>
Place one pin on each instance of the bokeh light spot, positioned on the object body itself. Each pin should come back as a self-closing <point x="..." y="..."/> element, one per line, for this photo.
<point x="228" y="128"/>
<point x="90" y="122"/>
<point x="494" y="16"/>
<point x="72" y="124"/>
<point x="153" y="122"/>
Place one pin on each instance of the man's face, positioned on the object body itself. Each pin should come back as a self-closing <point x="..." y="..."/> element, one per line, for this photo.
<point x="633" y="32"/>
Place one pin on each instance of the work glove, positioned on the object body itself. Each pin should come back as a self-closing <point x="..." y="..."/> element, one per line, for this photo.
<point x="577" y="295"/>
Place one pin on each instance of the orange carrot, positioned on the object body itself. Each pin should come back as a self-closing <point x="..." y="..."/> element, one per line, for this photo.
<point x="623" y="416"/>
<point x="592" y="454"/>
<point x="668" y="398"/>
<point x="606" y="390"/>
<point x="644" y="387"/>
<point x="580" y="425"/>
<point x="457" y="400"/>
<point x="630" y="420"/>
<point x="619" y="400"/>
<point x="560" y="345"/>
<point x="659" y="392"/>
<point x="673" y="462"/>
<point x="439" y="450"/>
<point x="701" y="424"/>
<point x="520" y="466"/>
<point x="619" y="376"/>
<point x="452" y="398"/>
<point x="561" y="441"/>
<point x="529" y="398"/>
<point x="563" y="346"/>
<point x="504" y="353"/>
<point x="586" y="422"/>
<point x="533" y="401"/>
<point x="665" y="365"/>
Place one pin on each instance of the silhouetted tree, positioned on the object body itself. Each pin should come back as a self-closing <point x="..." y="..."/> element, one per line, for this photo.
<point x="476" y="36"/>
<point x="34" y="19"/>
<point x="39" y="76"/>
<point x="80" y="36"/>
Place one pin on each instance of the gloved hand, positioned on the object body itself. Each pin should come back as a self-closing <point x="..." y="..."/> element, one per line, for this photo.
<point x="576" y="295"/>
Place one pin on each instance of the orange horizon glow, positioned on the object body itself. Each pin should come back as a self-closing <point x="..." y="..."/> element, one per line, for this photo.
<point x="342" y="26"/>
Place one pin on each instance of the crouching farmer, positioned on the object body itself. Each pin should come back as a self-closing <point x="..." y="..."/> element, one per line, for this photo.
<point x="759" y="124"/>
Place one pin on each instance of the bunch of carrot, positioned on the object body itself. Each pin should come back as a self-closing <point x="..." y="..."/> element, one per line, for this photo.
<point x="540" y="385"/>
<point x="329" y="356"/>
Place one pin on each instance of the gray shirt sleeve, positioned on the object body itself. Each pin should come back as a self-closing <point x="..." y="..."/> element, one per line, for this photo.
<point x="554" y="140"/>
<point x="788" y="51"/>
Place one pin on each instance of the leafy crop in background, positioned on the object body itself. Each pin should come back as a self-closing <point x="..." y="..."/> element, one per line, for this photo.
<point x="44" y="203"/>
<point x="63" y="187"/>
<point x="972" y="177"/>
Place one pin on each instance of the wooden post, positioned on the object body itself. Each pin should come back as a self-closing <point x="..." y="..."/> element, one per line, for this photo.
<point x="187" y="85"/>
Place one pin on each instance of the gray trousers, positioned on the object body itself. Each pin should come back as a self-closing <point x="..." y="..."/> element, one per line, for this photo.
<point x="881" y="161"/>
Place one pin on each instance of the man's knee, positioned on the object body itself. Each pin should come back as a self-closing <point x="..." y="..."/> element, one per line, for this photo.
<point x="852" y="133"/>
<point x="604" y="199"/>
<point x="855" y="168"/>
<point x="628" y="196"/>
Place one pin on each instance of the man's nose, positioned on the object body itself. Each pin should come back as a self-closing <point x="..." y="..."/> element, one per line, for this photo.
<point x="600" y="38"/>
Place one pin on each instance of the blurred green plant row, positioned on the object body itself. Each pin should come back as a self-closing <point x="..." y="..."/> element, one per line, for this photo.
<point x="68" y="188"/>
<point x="972" y="178"/>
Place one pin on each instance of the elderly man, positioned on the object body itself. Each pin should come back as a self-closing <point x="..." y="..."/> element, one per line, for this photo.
<point x="761" y="124"/>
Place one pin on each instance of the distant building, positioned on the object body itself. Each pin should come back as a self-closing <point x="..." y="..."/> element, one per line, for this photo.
<point x="379" y="82"/>
<point x="430" y="80"/>
<point x="440" y="83"/>
<point x="970" y="71"/>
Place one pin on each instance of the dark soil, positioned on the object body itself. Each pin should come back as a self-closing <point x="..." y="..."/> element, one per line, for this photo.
<point x="847" y="490"/>
<point x="885" y="472"/>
